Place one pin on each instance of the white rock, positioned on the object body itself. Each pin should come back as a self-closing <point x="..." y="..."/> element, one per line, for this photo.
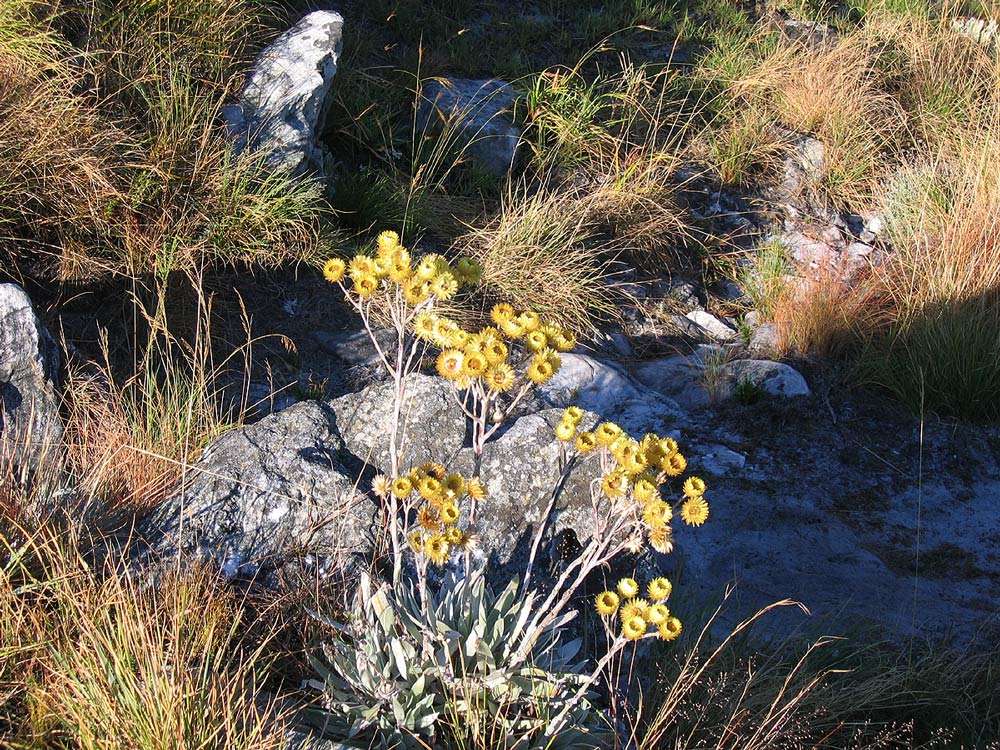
<point x="718" y="460"/>
<point x="283" y="108"/>
<point x="479" y="112"/>
<point x="764" y="339"/>
<point x="774" y="378"/>
<point x="716" y="327"/>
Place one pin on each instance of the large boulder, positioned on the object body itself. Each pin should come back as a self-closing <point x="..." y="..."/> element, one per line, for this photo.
<point x="433" y="425"/>
<point x="30" y="426"/>
<point x="284" y="105"/>
<point x="476" y="116"/>
<point x="267" y="491"/>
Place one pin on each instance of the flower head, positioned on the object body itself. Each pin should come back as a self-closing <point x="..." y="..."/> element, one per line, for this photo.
<point x="540" y="370"/>
<point x="634" y="608"/>
<point x="694" y="511"/>
<point x="529" y="320"/>
<point x="670" y="629"/>
<point x="475" y="488"/>
<point x="449" y="513"/>
<point x="475" y="364"/>
<point x="607" y="433"/>
<point x="659" y="589"/>
<point x="444" y="286"/>
<point x="425" y="325"/>
<point x="661" y="538"/>
<point x="657" y="513"/>
<point x="381" y="485"/>
<point x="634" y="628"/>
<point x="416" y="541"/>
<point x="387" y="242"/>
<point x="501" y="313"/>
<point x="607" y="603"/>
<point x="644" y="490"/>
<point x="429" y="488"/>
<point x="451" y="364"/>
<point x="694" y="487"/>
<point x="586" y="442"/>
<point x="572" y="414"/>
<point x="657" y="614"/>
<point x="402" y="487"/>
<point x="499" y="377"/>
<point x="361" y="265"/>
<point x="437" y="549"/>
<point x="454" y="536"/>
<point x="365" y="285"/>
<point x="428" y="519"/>
<point x="673" y="465"/>
<point x="565" y="431"/>
<point x="615" y="484"/>
<point x="628" y="587"/>
<point x="333" y="270"/>
<point x="536" y="341"/>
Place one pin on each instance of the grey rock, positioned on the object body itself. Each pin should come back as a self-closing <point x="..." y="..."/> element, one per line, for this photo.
<point x="808" y="251"/>
<point x="764" y="339"/>
<point x="717" y="329"/>
<point x="283" y="108"/>
<point x="718" y="460"/>
<point x="679" y="377"/>
<point x="608" y="391"/>
<point x="30" y="426"/>
<point x="978" y="30"/>
<point x="774" y="378"/>
<point x="477" y="114"/>
<point x="266" y="491"/>
<point x="433" y="425"/>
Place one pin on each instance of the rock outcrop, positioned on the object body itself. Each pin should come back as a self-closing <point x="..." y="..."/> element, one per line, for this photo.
<point x="284" y="105"/>
<point x="30" y="426"/>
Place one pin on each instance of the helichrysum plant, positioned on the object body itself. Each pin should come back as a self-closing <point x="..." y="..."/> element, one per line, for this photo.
<point x="400" y="642"/>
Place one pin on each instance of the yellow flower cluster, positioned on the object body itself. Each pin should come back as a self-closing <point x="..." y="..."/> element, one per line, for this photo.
<point x="638" y="470"/>
<point x="638" y="615"/>
<point x="437" y="534"/>
<point x="431" y="276"/>
<point x="467" y="357"/>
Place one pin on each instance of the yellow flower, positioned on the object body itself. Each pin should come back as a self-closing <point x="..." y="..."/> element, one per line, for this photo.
<point x="381" y="268"/>
<point x="614" y="484"/>
<point x="428" y="519"/>
<point x="455" y="483"/>
<point x="427" y="268"/>
<point x="634" y="628"/>
<point x="668" y="446"/>
<point x="365" y="286"/>
<point x="333" y="270"/>
<point x="694" y="511"/>
<point x="554" y="360"/>
<point x="399" y="267"/>
<point x="572" y="414"/>
<point x="540" y="371"/>
<point x="454" y="536"/>
<point x="564" y="341"/>
<point x="437" y="549"/>
<point x="444" y="332"/>
<point x="529" y="320"/>
<point x="536" y="341"/>
<point x="434" y="469"/>
<point x="381" y="485"/>
<point x="361" y="265"/>
<point x="607" y="432"/>
<point x="475" y="489"/>
<point x="450" y="364"/>
<point x="657" y="614"/>
<point x="659" y="589"/>
<point x="565" y="431"/>
<point x="607" y="603"/>
<point x="402" y="487"/>
<point x="644" y="490"/>
<point x="414" y="291"/>
<point x="495" y="351"/>
<point x="501" y="313"/>
<point x="444" y="286"/>
<point x="670" y="629"/>
<point x="674" y="464"/>
<point x="429" y="488"/>
<point x="416" y="541"/>
<point x="475" y="365"/>
<point x="650" y="446"/>
<point x="694" y="487"/>
<point x="499" y="378"/>
<point x="661" y="538"/>
<point x="586" y="442"/>
<point x="425" y="325"/>
<point x="628" y="587"/>
<point x="512" y="328"/>
<point x="387" y="242"/>
<point x="449" y="513"/>
<point x="657" y="513"/>
<point x="634" y="608"/>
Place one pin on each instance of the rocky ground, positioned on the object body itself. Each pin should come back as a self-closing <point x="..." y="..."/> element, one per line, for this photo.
<point x="837" y="499"/>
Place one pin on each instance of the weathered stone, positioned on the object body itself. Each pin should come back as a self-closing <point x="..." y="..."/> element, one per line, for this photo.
<point x="718" y="460"/>
<point x="717" y="329"/>
<point x="30" y="426"/>
<point x="609" y="392"/>
<point x="680" y="377"/>
<point x="283" y="108"/>
<point x="774" y="378"/>
<point x="477" y="112"/>
<point x="433" y="425"/>
<point x="266" y="491"/>
<point x="764" y="339"/>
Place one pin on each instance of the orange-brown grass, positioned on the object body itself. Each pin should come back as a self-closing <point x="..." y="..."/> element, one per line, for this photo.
<point x="816" y="316"/>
